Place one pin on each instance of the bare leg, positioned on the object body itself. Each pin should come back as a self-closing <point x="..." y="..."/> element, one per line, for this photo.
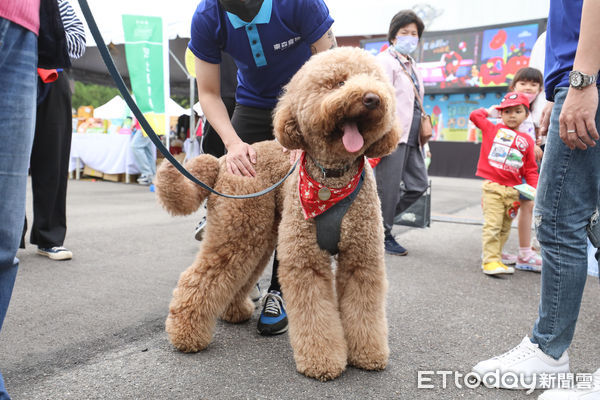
<point x="525" y="218"/>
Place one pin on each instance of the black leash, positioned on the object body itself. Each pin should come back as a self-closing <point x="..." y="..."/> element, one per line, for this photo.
<point x="112" y="69"/>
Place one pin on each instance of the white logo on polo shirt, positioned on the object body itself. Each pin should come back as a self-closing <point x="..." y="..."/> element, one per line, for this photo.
<point x="285" y="44"/>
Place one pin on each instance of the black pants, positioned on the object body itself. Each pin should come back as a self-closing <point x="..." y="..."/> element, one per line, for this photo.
<point x="211" y="141"/>
<point x="255" y="125"/>
<point x="49" y="165"/>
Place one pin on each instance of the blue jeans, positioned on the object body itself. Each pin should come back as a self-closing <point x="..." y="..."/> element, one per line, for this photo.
<point x="18" y="85"/>
<point x="567" y="196"/>
<point x="144" y="153"/>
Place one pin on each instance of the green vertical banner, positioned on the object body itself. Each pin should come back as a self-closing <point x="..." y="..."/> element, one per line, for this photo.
<point x="145" y="55"/>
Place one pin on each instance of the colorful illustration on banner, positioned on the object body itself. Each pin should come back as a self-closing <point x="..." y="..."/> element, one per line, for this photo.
<point x="505" y="51"/>
<point x="447" y="61"/>
<point x="450" y="115"/>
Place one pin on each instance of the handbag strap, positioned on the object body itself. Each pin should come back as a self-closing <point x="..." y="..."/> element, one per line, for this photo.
<point x="412" y="81"/>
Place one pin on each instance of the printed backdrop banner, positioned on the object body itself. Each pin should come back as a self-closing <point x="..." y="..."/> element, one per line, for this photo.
<point x="144" y="54"/>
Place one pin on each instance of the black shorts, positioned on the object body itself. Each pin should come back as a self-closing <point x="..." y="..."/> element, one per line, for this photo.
<point x="253" y="124"/>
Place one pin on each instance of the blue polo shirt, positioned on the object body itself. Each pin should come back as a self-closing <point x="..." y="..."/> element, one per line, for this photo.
<point x="267" y="51"/>
<point x="564" y="21"/>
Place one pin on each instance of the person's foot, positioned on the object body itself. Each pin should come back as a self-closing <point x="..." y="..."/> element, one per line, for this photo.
<point x="145" y="180"/>
<point x="199" y="231"/>
<point x="55" y="253"/>
<point x="509" y="259"/>
<point x="531" y="262"/>
<point x="524" y="363"/>
<point x="582" y="391"/>
<point x="255" y="293"/>
<point x="393" y="247"/>
<point x="273" y="318"/>
<point x="496" y="268"/>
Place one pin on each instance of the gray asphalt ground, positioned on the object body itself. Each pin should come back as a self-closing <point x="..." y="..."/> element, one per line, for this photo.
<point x="93" y="327"/>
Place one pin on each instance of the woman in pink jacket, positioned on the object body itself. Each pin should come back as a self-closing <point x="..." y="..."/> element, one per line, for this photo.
<point x="402" y="176"/>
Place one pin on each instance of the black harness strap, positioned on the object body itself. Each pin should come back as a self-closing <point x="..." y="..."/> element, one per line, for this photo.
<point x="329" y="223"/>
<point x="112" y="69"/>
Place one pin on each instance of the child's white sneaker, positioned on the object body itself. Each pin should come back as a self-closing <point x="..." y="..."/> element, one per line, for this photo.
<point x="587" y="391"/>
<point x="522" y="363"/>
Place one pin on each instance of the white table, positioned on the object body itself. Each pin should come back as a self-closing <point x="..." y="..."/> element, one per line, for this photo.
<point x="107" y="153"/>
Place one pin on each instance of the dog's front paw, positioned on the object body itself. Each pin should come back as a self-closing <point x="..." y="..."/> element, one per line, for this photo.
<point x="322" y="368"/>
<point x="372" y="361"/>
<point x="185" y="336"/>
<point x="236" y="313"/>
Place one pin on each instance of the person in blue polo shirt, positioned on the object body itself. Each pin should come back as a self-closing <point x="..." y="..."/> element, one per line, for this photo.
<point x="269" y="41"/>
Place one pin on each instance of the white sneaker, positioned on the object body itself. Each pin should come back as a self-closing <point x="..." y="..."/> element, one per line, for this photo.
<point x="199" y="231"/>
<point x="523" y="363"/>
<point x="255" y="293"/>
<point x="587" y="391"/>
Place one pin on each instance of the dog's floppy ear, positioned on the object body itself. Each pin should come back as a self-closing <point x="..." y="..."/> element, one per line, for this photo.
<point x="285" y="125"/>
<point x="387" y="144"/>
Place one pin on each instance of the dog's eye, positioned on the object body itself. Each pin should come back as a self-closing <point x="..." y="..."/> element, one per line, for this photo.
<point x="342" y="83"/>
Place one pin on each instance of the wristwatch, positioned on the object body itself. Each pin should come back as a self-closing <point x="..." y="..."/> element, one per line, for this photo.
<point x="579" y="80"/>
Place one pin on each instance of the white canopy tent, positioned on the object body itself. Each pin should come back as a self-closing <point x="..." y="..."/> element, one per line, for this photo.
<point x="117" y="108"/>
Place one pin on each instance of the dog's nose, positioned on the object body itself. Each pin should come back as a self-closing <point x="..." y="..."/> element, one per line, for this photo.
<point x="371" y="101"/>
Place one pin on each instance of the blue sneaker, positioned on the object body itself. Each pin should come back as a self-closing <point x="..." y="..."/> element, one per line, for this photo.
<point x="273" y="318"/>
<point x="392" y="247"/>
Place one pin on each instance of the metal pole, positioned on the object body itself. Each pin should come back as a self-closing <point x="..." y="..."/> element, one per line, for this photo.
<point x="167" y="84"/>
<point x="192" y="101"/>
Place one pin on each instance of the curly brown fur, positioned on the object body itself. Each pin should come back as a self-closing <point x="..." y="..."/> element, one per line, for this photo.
<point x="332" y="326"/>
<point x="240" y="237"/>
<point x="176" y="193"/>
<point x="337" y="318"/>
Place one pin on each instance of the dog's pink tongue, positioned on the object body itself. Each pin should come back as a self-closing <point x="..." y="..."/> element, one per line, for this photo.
<point x="352" y="139"/>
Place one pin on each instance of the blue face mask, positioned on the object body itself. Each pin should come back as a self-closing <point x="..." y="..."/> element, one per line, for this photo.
<point x="406" y="44"/>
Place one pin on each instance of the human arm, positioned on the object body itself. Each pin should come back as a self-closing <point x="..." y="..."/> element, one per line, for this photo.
<point x="538" y="153"/>
<point x="74" y="30"/>
<point x="545" y="118"/>
<point x="577" y="125"/>
<point x="240" y="156"/>
<point x="479" y="118"/>
<point x="493" y="111"/>
<point x="530" y="167"/>
<point x="325" y="42"/>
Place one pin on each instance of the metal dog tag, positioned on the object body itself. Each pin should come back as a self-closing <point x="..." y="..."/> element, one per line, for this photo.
<point x="324" y="193"/>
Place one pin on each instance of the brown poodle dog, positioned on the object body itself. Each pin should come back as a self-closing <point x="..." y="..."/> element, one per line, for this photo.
<point x="338" y="108"/>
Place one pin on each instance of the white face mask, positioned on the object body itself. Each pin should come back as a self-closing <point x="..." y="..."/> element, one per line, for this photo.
<point x="406" y="44"/>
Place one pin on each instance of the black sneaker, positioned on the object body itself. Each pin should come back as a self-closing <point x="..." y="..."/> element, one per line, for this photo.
<point x="273" y="318"/>
<point x="57" y="253"/>
<point x="392" y="247"/>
